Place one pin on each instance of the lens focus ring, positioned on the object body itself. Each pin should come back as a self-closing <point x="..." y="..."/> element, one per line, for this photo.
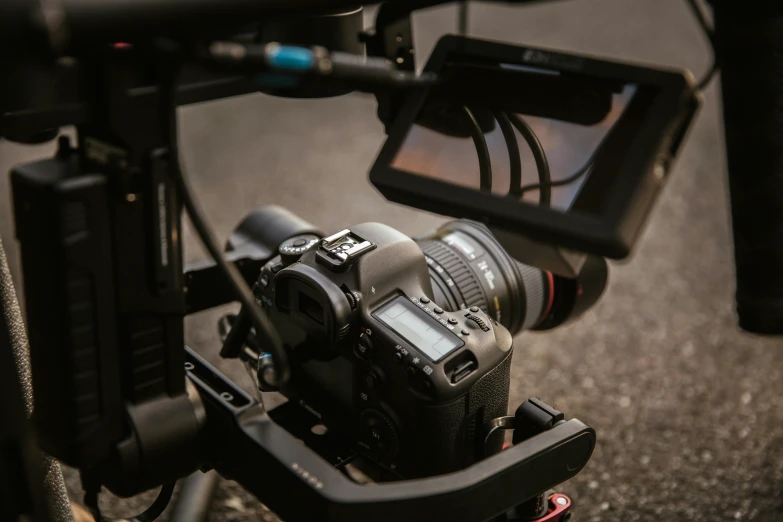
<point x="533" y="283"/>
<point x="465" y="288"/>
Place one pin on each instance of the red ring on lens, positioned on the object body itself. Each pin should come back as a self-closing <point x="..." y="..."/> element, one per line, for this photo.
<point x="550" y="295"/>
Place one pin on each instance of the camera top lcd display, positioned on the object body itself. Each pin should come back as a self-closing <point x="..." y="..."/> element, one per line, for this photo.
<point x="424" y="333"/>
<point x="561" y="148"/>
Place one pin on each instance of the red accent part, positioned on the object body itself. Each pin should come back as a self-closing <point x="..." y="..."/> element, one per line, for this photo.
<point x="579" y="290"/>
<point x="123" y="45"/>
<point x="559" y="505"/>
<point x="506" y="445"/>
<point x="550" y="295"/>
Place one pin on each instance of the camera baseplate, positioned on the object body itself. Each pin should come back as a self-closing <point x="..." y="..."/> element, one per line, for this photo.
<point x="244" y="443"/>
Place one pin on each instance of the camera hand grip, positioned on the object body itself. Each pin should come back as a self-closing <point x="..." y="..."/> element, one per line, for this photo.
<point x="750" y="55"/>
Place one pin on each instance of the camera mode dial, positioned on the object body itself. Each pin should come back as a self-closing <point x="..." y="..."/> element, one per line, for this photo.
<point x="292" y="249"/>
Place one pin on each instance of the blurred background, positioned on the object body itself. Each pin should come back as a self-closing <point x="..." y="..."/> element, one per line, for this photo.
<point x="688" y="410"/>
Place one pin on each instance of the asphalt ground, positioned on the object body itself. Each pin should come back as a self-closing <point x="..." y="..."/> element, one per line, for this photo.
<point x="688" y="409"/>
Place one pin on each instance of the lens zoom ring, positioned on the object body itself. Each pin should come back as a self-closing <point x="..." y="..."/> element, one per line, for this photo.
<point x="457" y="269"/>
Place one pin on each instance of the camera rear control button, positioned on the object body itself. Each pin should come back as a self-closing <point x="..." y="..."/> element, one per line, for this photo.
<point x="424" y="300"/>
<point x="410" y="372"/>
<point x="475" y="322"/>
<point x="276" y="268"/>
<point x="438" y="310"/>
<point x="474" y="309"/>
<point x="372" y="381"/>
<point x="399" y="358"/>
<point x="365" y="348"/>
<point x="465" y="332"/>
<point x="379" y="433"/>
<point x="452" y="320"/>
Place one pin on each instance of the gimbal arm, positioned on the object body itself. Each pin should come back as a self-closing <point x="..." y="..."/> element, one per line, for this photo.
<point x="244" y="444"/>
<point x="100" y="21"/>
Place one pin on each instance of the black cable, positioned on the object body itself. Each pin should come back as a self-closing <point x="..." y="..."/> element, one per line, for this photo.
<point x="707" y="78"/>
<point x="514" y="159"/>
<point x="264" y="328"/>
<point x="709" y="32"/>
<point x="542" y="164"/>
<point x="195" y="495"/>
<point x="463" y="15"/>
<point x="701" y="85"/>
<point x="151" y="513"/>
<point x="236" y="334"/>
<point x="573" y="177"/>
<point x="158" y="507"/>
<point x="702" y="19"/>
<point x="91" y="501"/>
<point x="565" y="181"/>
<point x="485" y="164"/>
<point x="546" y="185"/>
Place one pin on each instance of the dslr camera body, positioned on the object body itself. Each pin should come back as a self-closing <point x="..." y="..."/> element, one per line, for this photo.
<point x="375" y="357"/>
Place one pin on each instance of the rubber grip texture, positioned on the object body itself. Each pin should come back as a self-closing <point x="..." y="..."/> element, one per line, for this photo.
<point x="749" y="44"/>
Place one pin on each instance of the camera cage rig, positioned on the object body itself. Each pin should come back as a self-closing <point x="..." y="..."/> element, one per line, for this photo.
<point x="111" y="397"/>
<point x="155" y="453"/>
<point x="120" y="96"/>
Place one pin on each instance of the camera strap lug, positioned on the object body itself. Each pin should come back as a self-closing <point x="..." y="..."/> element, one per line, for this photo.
<point x="531" y="418"/>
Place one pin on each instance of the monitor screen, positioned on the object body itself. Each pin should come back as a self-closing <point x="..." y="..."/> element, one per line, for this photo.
<point x="441" y="144"/>
<point x="563" y="150"/>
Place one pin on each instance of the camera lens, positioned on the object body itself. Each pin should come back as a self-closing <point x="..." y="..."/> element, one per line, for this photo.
<point x="469" y="268"/>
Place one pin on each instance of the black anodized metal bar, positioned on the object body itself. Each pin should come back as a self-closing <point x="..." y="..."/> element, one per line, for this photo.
<point x="248" y="447"/>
